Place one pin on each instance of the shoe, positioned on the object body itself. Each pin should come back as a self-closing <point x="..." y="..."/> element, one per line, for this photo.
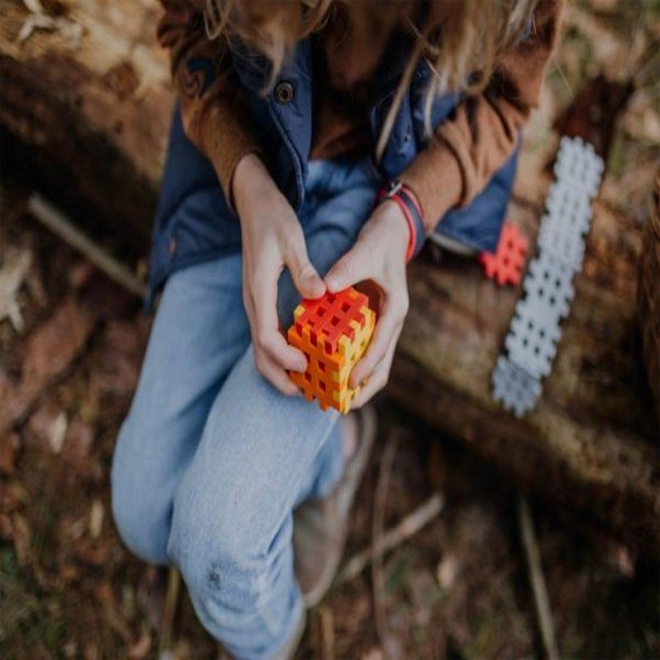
<point x="321" y="525"/>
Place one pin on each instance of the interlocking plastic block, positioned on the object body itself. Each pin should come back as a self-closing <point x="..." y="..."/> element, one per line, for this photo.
<point x="535" y="329"/>
<point x="532" y="343"/>
<point x="565" y="245"/>
<point x="517" y="390"/>
<point x="507" y="264"/>
<point x="549" y="287"/>
<point x="333" y="332"/>
<point x="579" y="166"/>
<point x="569" y="206"/>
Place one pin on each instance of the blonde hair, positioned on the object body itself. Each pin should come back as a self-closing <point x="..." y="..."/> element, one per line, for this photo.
<point x="461" y="40"/>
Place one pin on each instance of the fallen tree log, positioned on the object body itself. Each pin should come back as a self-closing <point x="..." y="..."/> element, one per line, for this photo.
<point x="90" y="120"/>
<point x="85" y="119"/>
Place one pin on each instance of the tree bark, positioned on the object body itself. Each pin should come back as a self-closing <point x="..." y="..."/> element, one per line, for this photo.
<point x="89" y="126"/>
<point x="87" y="122"/>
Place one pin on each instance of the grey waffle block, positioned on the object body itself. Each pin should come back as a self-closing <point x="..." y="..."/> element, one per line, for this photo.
<point x="535" y="332"/>
<point x="535" y="329"/>
<point x="579" y="166"/>
<point x="514" y="388"/>
<point x="554" y="239"/>
<point x="570" y="207"/>
<point x="549" y="287"/>
<point x="532" y="342"/>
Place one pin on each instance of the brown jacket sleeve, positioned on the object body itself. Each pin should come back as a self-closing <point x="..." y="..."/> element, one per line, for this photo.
<point x="214" y="109"/>
<point x="470" y="147"/>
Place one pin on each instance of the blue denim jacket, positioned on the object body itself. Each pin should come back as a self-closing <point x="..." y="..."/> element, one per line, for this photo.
<point x="193" y="220"/>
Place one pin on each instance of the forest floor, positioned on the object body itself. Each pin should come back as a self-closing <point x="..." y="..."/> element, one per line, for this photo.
<point x="459" y="589"/>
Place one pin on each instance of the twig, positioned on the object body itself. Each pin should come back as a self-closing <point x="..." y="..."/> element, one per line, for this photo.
<point x="59" y="224"/>
<point x="554" y="62"/>
<point x="171" y="599"/>
<point x="327" y="621"/>
<point x="541" y="599"/>
<point x="391" y="539"/>
<point x="377" y="577"/>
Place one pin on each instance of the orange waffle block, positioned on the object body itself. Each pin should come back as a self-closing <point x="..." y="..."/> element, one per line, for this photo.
<point x="508" y="262"/>
<point x="333" y="332"/>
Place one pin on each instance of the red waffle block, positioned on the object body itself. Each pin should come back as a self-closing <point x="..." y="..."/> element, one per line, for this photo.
<point x="507" y="264"/>
<point x="333" y="332"/>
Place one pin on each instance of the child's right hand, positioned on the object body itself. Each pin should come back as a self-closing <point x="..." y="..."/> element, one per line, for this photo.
<point x="272" y="240"/>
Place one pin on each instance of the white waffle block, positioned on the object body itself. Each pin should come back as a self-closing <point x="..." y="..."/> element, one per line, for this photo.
<point x="549" y="287"/>
<point x="514" y="388"/>
<point x="554" y="239"/>
<point x="569" y="206"/>
<point x="535" y="329"/>
<point x="532" y="341"/>
<point x="579" y="166"/>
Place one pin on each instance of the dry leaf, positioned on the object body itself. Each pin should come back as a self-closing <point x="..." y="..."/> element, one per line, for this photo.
<point x="47" y="427"/>
<point x="96" y="515"/>
<point x="14" y="271"/>
<point x="9" y="448"/>
<point x="141" y="648"/>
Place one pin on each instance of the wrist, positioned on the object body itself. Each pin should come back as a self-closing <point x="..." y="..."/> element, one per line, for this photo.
<point x="400" y="195"/>
<point x="397" y="228"/>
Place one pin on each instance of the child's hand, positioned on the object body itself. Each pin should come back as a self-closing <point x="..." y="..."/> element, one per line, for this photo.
<point x="378" y="255"/>
<point x="272" y="240"/>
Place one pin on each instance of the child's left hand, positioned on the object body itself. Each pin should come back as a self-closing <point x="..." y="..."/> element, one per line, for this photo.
<point x="379" y="255"/>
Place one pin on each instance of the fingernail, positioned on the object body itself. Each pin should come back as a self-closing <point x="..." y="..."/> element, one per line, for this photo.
<point x="318" y="288"/>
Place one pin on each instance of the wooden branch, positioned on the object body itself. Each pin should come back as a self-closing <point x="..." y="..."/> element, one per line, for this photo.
<point x="406" y="529"/>
<point x="377" y="576"/>
<point x="541" y="600"/>
<point x="591" y="443"/>
<point x="169" y="611"/>
<point x="60" y="225"/>
<point x="86" y="122"/>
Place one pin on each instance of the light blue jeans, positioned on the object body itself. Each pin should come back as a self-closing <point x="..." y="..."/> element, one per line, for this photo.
<point x="211" y="460"/>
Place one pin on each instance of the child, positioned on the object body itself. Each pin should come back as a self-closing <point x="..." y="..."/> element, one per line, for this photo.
<point x="291" y="117"/>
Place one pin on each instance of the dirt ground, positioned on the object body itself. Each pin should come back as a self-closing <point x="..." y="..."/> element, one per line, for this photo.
<point x="458" y="590"/>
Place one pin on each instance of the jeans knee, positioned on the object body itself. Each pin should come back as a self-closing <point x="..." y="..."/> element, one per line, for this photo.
<point x="239" y="580"/>
<point x="141" y="516"/>
<point x="208" y="545"/>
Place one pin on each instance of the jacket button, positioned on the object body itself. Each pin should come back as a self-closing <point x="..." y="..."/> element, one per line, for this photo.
<point x="172" y="248"/>
<point x="283" y="92"/>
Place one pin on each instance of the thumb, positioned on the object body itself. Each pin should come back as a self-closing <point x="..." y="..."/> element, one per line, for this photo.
<point x="307" y="281"/>
<point x="349" y="270"/>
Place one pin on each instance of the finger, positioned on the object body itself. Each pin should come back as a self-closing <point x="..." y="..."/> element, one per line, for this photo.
<point x="377" y="381"/>
<point x="248" y="305"/>
<point x="388" y="329"/>
<point x="264" y="365"/>
<point x="276" y="376"/>
<point x="305" y="278"/>
<point x="266" y="337"/>
<point x="355" y="266"/>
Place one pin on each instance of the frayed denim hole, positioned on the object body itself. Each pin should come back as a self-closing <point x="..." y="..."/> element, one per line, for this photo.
<point x="214" y="578"/>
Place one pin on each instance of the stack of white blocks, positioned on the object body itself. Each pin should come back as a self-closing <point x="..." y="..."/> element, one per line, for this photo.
<point x="535" y="330"/>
